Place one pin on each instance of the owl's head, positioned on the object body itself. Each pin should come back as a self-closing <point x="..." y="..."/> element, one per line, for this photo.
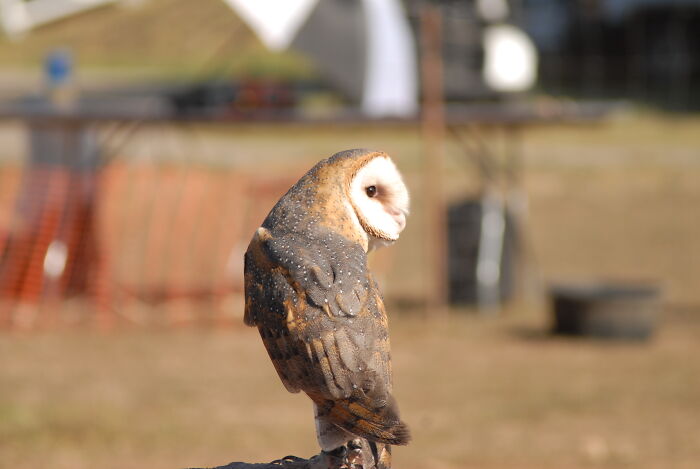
<point x="379" y="198"/>
<point x="358" y="194"/>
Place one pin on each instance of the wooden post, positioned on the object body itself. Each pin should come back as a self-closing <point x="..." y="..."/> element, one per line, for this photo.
<point x="433" y="128"/>
<point x="361" y="455"/>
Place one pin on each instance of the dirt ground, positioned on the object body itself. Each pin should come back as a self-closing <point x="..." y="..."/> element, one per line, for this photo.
<point x="612" y="200"/>
<point x="478" y="393"/>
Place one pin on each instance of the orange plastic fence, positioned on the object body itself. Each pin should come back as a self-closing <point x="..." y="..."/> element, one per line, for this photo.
<point x="125" y="238"/>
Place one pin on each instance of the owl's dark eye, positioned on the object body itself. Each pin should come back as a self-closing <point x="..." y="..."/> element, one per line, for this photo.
<point x="371" y="191"/>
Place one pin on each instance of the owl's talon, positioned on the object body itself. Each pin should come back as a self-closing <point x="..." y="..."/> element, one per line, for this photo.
<point x="355" y="459"/>
<point x="334" y="459"/>
<point x="360" y="455"/>
<point x="287" y="459"/>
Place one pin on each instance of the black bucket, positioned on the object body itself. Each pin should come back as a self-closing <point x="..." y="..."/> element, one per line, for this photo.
<point x="605" y="310"/>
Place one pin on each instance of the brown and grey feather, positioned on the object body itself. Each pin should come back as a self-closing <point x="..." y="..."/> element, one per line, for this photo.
<point x="318" y="309"/>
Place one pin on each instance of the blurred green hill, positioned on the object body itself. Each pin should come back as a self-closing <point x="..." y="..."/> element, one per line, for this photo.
<point x="165" y="38"/>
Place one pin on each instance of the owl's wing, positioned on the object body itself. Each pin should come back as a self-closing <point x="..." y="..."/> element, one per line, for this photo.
<point x="323" y="323"/>
<point x="317" y="309"/>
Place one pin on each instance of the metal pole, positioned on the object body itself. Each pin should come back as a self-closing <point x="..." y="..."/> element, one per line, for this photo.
<point x="433" y="128"/>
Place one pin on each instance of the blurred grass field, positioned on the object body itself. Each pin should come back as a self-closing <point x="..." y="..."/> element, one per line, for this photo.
<point x="615" y="200"/>
<point x="478" y="393"/>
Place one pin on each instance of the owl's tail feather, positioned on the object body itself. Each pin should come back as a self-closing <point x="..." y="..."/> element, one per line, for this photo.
<point x="375" y="421"/>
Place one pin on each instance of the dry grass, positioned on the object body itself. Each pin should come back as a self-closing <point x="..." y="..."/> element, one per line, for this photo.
<point x="612" y="200"/>
<point x="478" y="393"/>
<point x="156" y="39"/>
<point x="618" y="200"/>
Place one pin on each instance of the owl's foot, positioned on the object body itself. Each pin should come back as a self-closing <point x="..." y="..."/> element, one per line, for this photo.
<point x="352" y="455"/>
<point x="357" y="458"/>
<point x="287" y="460"/>
<point x="334" y="459"/>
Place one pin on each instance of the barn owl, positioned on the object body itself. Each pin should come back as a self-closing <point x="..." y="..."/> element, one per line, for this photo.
<point x="317" y="307"/>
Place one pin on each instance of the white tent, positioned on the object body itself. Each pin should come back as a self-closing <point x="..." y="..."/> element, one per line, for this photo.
<point x="366" y="47"/>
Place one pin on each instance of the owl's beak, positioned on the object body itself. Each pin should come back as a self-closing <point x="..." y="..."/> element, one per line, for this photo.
<point x="399" y="217"/>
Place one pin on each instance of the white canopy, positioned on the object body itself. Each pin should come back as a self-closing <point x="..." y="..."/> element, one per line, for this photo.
<point x="387" y="66"/>
<point x="275" y="22"/>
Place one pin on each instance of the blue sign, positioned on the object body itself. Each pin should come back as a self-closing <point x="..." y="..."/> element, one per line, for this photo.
<point x="58" y="67"/>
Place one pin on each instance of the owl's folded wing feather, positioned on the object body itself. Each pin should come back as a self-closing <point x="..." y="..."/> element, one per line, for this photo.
<point x="323" y="324"/>
<point x="317" y="309"/>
